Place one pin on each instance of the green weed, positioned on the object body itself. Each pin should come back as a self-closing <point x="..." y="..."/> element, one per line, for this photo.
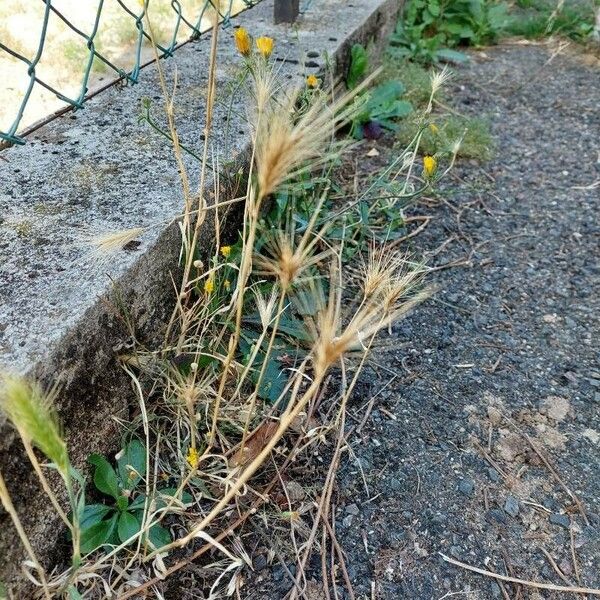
<point x="540" y="18"/>
<point x="429" y="31"/>
<point x="438" y="138"/>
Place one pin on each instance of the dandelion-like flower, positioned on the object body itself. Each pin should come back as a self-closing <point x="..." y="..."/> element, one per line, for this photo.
<point x="192" y="458"/>
<point x="209" y="285"/>
<point x="242" y="41"/>
<point x="429" y="166"/>
<point x="265" y="46"/>
<point x="312" y="81"/>
<point x="225" y="251"/>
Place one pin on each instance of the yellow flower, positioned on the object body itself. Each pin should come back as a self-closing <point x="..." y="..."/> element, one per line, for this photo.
<point x="265" y="46"/>
<point x="225" y="251"/>
<point x="312" y="81"/>
<point x="429" y="165"/>
<point x="209" y="285"/>
<point x="192" y="457"/>
<point x="227" y="285"/>
<point x="434" y="128"/>
<point x="242" y="41"/>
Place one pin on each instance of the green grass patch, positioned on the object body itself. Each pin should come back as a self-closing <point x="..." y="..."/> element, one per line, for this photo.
<point x="538" y="19"/>
<point x="477" y="140"/>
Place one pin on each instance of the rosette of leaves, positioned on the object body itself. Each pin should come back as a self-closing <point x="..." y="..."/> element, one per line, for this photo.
<point x="429" y="30"/>
<point x="116" y="522"/>
<point x="380" y="106"/>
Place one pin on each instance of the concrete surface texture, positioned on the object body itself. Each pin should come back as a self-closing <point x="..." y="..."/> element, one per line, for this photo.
<point x="98" y="170"/>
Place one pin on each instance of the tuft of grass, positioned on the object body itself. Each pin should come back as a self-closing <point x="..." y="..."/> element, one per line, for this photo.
<point x="415" y="77"/>
<point x="477" y="140"/>
<point x="540" y="18"/>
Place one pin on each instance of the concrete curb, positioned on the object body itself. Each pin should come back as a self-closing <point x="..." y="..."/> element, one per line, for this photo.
<point x="96" y="171"/>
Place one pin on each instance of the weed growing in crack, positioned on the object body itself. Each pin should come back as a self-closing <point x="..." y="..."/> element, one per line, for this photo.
<point x="260" y="322"/>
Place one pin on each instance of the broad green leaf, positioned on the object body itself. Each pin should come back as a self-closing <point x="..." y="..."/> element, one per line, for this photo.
<point x="452" y="56"/>
<point x="358" y="66"/>
<point x="92" y="514"/>
<point x="97" y="535"/>
<point x="128" y="526"/>
<point x="131" y="464"/>
<point x="434" y="8"/>
<point x="105" y="478"/>
<point x="158" y="536"/>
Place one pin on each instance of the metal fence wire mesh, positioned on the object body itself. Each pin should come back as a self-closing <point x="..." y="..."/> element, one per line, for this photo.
<point x="57" y="49"/>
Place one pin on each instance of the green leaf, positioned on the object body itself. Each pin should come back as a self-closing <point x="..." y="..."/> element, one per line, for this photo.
<point x="186" y="497"/>
<point x="434" y="8"/>
<point x="138" y="503"/>
<point x="92" y="514"/>
<point x="105" y="478"/>
<point x="452" y="56"/>
<point x="159" y="536"/>
<point x="358" y="66"/>
<point x="132" y="460"/>
<point x="97" y="535"/>
<point x="73" y="593"/>
<point x="128" y="526"/>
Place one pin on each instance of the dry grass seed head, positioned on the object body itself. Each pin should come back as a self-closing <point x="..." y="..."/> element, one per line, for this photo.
<point x="285" y="147"/>
<point x="116" y="240"/>
<point x="388" y="303"/>
<point x="32" y="414"/>
<point x="287" y="260"/>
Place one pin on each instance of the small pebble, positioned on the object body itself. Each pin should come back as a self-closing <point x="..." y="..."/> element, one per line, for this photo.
<point x="466" y="486"/>
<point x="511" y="506"/>
<point x="493" y="475"/>
<point x="561" y="520"/>
<point x="352" y="509"/>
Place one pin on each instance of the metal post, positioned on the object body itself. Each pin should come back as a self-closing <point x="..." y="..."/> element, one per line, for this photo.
<point x="286" y="11"/>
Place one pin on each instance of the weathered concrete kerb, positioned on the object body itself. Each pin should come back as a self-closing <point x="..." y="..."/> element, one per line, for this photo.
<point x="96" y="171"/>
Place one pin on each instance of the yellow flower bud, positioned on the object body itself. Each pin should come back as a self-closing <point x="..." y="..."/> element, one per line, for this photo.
<point x="192" y="457"/>
<point x="434" y="128"/>
<point x="225" y="251"/>
<point x="312" y="81"/>
<point x="429" y="165"/>
<point x="265" y="46"/>
<point x="242" y="41"/>
<point x="209" y="286"/>
<point x="227" y="285"/>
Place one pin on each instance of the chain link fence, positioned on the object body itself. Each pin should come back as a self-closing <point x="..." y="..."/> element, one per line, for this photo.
<point x="61" y="50"/>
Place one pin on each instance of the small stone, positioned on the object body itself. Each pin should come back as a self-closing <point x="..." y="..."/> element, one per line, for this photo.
<point x="511" y="506"/>
<point x="260" y="562"/>
<point x="494" y="415"/>
<point x="395" y="484"/>
<point x="466" y="486"/>
<point x="561" y="520"/>
<point x="495" y="516"/>
<point x="347" y="521"/>
<point x="493" y="475"/>
<point x="352" y="509"/>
